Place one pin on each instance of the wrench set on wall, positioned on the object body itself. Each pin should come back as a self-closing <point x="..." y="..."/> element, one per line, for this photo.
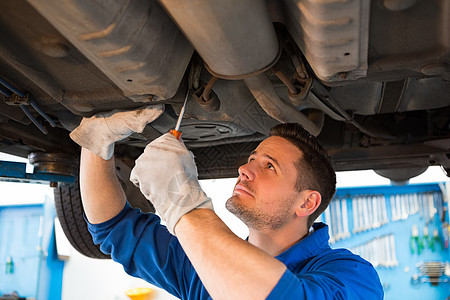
<point x="380" y="251"/>
<point x="402" y="206"/>
<point x="368" y="212"/>
<point x="349" y="215"/>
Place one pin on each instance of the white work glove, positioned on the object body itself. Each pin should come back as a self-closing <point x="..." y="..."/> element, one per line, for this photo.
<point x="99" y="132"/>
<point x="167" y="176"/>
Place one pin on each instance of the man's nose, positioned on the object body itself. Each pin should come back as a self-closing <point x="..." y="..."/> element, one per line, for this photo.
<point x="246" y="172"/>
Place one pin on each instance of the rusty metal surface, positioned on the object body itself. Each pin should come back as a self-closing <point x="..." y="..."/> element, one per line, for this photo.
<point x="126" y="41"/>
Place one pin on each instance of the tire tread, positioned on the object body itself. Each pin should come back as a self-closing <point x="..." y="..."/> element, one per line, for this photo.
<point x="70" y="212"/>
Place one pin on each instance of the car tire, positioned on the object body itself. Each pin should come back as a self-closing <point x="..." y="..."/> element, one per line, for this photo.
<point x="70" y="212"/>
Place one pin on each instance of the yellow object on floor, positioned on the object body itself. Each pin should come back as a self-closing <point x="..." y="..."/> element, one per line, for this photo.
<point x="140" y="294"/>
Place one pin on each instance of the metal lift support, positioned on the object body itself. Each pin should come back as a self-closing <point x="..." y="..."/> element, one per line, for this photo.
<point x="16" y="172"/>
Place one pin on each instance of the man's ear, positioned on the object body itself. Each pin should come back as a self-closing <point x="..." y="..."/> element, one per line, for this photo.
<point x="312" y="200"/>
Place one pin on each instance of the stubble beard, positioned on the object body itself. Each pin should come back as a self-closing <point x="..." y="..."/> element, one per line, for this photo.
<point x="257" y="218"/>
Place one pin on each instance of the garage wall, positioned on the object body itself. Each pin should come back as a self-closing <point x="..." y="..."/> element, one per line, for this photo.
<point x="19" y="242"/>
<point x="371" y="244"/>
<point x="27" y="239"/>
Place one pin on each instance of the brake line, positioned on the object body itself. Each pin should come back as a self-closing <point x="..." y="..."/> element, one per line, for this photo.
<point x="24" y="108"/>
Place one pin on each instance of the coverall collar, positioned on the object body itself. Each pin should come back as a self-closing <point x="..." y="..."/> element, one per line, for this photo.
<point x="306" y="247"/>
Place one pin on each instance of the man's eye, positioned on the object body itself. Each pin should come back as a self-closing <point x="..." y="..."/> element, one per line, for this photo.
<point x="270" y="166"/>
<point x="251" y="159"/>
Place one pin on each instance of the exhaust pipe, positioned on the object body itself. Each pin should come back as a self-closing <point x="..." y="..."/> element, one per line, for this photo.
<point x="283" y="111"/>
<point x="235" y="38"/>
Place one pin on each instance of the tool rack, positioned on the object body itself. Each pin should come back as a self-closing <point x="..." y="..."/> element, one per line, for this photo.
<point x="379" y="223"/>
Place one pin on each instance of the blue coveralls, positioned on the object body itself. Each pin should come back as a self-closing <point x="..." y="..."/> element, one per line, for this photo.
<point x="314" y="271"/>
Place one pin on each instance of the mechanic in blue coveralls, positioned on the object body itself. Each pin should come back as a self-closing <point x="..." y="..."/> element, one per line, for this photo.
<point x="285" y="185"/>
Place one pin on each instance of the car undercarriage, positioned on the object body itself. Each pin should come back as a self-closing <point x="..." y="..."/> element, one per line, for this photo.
<point x="369" y="78"/>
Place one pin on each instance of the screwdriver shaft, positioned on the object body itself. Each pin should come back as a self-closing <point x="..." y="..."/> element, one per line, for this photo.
<point x="180" y="117"/>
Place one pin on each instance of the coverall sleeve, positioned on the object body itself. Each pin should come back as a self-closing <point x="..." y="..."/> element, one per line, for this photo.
<point x="147" y="250"/>
<point x="341" y="278"/>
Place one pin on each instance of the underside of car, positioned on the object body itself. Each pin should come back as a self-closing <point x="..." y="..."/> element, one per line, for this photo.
<point x="369" y="78"/>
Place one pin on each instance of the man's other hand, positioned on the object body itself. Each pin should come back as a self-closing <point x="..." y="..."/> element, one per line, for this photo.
<point x="99" y="132"/>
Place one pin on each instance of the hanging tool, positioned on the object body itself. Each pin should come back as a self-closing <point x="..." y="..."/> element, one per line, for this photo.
<point x="339" y="230"/>
<point x="376" y="220"/>
<point x="426" y="237"/>
<point x="334" y="220"/>
<point x="416" y="242"/>
<point x="384" y="210"/>
<point x="360" y="212"/>
<point x="436" y="240"/>
<point x="176" y="132"/>
<point x="355" y="215"/>
<point x="345" y="218"/>
<point x="366" y="215"/>
<point x="393" y="201"/>
<point x="380" y="251"/>
<point x="393" y="254"/>
<point x="416" y="202"/>
<point x="445" y="233"/>
<point x="432" y="208"/>
<point x="404" y="210"/>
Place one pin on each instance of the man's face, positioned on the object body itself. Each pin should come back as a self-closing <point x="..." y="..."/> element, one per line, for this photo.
<point x="265" y="196"/>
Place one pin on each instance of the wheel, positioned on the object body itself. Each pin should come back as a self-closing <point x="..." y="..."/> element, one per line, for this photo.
<point x="70" y="212"/>
<point x="69" y="208"/>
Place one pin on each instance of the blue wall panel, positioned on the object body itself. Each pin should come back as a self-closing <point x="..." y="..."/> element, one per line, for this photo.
<point x="27" y="236"/>
<point x="51" y="269"/>
<point x="19" y="240"/>
<point x="397" y="279"/>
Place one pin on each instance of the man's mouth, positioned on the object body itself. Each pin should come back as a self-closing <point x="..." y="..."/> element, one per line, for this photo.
<point x="240" y="188"/>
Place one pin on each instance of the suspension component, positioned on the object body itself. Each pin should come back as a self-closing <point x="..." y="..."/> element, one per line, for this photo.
<point x="206" y="97"/>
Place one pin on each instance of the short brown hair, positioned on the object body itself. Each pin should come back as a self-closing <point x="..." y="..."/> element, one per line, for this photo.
<point x="314" y="167"/>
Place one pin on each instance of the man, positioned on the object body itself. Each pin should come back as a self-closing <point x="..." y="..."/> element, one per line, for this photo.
<point x="287" y="182"/>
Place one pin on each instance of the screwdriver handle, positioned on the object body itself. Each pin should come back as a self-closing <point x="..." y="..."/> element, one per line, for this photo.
<point x="176" y="133"/>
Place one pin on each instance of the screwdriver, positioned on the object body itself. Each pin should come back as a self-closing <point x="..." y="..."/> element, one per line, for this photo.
<point x="176" y="132"/>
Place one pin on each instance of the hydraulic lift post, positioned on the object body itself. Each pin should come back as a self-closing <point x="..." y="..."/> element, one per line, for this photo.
<point x="16" y="172"/>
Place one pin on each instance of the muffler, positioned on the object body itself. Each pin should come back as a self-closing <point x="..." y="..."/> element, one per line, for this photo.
<point x="235" y="38"/>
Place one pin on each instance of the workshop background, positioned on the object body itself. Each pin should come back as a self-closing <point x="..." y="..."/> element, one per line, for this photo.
<point x="401" y="230"/>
